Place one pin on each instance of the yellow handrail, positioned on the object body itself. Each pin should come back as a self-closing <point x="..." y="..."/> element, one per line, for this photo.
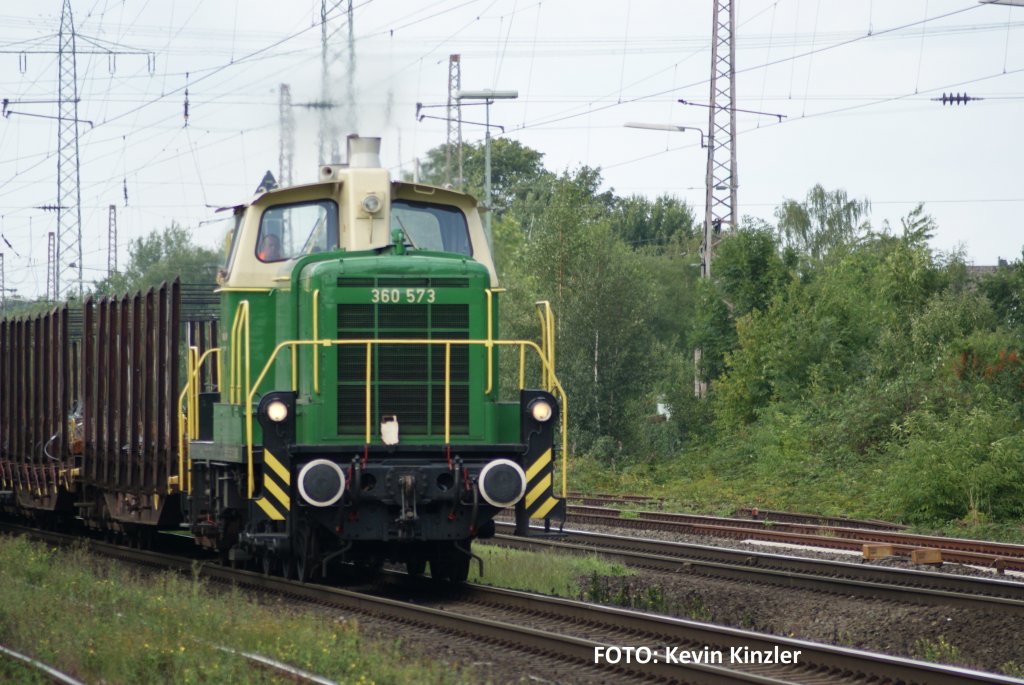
<point x="293" y="345"/>
<point x="192" y="421"/>
<point x="316" y="337"/>
<point x="447" y="394"/>
<point x="490" y="337"/>
<point x="239" y="328"/>
<point x="369" y="379"/>
<point x="547" y="335"/>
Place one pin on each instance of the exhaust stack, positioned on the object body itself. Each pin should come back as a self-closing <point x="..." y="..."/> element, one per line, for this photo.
<point x="363" y="153"/>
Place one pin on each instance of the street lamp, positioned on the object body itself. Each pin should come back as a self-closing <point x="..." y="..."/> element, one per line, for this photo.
<point x="488" y="96"/>
<point x="699" y="385"/>
<point x="668" y="127"/>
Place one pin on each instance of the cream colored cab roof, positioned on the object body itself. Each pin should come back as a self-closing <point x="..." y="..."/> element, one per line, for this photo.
<point x="358" y="229"/>
<point x="363" y="224"/>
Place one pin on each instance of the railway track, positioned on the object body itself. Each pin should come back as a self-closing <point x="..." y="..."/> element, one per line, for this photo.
<point x="863" y="580"/>
<point x="594" y="643"/>
<point x="752" y="513"/>
<point x="43" y="671"/>
<point x="816" y="520"/>
<point x="999" y="556"/>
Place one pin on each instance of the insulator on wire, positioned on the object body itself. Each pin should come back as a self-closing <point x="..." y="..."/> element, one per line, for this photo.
<point x="955" y="99"/>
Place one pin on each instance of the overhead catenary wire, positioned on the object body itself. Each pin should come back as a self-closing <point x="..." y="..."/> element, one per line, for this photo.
<point x="237" y="89"/>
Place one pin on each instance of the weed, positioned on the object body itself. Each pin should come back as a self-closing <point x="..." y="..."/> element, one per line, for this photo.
<point x="545" y="572"/>
<point x="1012" y="669"/>
<point x="939" y="651"/>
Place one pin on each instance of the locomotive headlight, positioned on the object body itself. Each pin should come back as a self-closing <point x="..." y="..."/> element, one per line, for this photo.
<point x="277" y="411"/>
<point x="371" y="204"/>
<point x="541" y="410"/>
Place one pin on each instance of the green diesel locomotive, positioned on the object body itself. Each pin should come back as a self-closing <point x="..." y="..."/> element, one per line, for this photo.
<point x="358" y="416"/>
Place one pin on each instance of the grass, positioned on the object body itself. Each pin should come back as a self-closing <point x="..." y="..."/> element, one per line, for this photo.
<point x="102" y="623"/>
<point x="708" y="482"/>
<point x="543" y="572"/>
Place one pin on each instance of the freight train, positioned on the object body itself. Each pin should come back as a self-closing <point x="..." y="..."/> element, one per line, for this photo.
<point x="349" y="402"/>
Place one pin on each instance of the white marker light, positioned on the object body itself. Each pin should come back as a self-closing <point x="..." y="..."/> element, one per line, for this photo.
<point x="277" y="411"/>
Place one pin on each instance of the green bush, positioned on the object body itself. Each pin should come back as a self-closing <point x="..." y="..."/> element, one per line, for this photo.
<point x="965" y="465"/>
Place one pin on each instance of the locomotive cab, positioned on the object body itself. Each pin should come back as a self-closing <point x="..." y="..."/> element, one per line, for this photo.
<point x="362" y="418"/>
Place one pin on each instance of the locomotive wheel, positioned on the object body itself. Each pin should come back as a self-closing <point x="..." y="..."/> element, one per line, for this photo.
<point x="449" y="565"/>
<point x="458" y="569"/>
<point x="307" y="554"/>
<point x="416" y="566"/>
<point x="270" y="564"/>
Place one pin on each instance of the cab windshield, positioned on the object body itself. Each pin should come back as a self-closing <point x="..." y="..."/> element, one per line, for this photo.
<point x="441" y="228"/>
<point x="289" y="231"/>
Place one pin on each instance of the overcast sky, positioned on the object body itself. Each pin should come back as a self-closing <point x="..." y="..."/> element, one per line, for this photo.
<point x="854" y="80"/>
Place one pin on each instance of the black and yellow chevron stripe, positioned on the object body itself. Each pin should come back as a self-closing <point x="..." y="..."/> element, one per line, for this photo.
<point x="275" y="502"/>
<point x="539" y="501"/>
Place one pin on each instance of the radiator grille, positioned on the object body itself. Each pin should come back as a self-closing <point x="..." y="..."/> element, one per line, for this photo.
<point x="406" y="380"/>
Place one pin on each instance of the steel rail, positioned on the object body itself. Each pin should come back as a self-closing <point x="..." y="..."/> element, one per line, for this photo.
<point x="615" y="626"/>
<point x="903" y="585"/>
<point x="288" y="671"/>
<point x="888" y="537"/>
<point x="775" y="533"/>
<point x="50" y="672"/>
<point x="817" y="519"/>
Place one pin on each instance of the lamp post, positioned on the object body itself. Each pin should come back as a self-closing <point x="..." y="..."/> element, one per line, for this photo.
<point x="699" y="385"/>
<point x="488" y="96"/>
<point x="668" y="127"/>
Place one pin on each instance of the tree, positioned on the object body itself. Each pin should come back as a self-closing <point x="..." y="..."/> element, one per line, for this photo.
<point x="824" y="332"/>
<point x="601" y="295"/>
<point x="514" y="169"/>
<point x="824" y="221"/>
<point x="1005" y="290"/>
<point x="748" y="272"/>
<point x="642" y="223"/>
<point x="161" y="257"/>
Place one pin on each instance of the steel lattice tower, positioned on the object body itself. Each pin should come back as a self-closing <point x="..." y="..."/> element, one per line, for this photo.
<point x="351" y="124"/>
<point x="720" y="211"/>
<point x="454" y="141"/>
<point x="721" y="182"/>
<point x="51" y="267"/>
<point x="328" y="138"/>
<point x="286" y="155"/>
<point x="112" y="241"/>
<point x="68" y="271"/>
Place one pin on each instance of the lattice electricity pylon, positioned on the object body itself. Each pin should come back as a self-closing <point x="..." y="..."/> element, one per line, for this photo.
<point x="329" y="148"/>
<point x="112" y="241"/>
<point x="51" y="266"/>
<point x="286" y="156"/>
<point x="351" y="123"/>
<point x="454" y="141"/>
<point x="720" y="212"/>
<point x="68" y="272"/>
